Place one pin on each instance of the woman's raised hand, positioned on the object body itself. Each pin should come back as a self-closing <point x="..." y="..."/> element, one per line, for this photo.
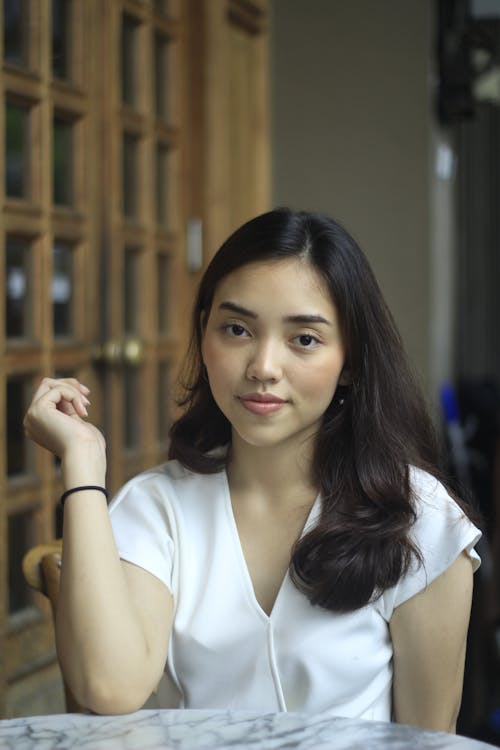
<point x="56" y="421"/>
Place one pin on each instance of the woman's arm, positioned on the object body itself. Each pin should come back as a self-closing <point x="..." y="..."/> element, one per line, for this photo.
<point x="429" y="633"/>
<point x="113" y="618"/>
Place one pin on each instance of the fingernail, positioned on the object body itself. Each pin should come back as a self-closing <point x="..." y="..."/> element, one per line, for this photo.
<point x="85" y="412"/>
<point x="87" y="401"/>
<point x="84" y="388"/>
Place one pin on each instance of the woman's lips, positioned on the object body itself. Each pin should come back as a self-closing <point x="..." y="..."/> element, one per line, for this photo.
<point x="259" y="403"/>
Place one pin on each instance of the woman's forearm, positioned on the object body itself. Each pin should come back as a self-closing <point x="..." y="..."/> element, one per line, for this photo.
<point x="113" y="619"/>
<point x="101" y="641"/>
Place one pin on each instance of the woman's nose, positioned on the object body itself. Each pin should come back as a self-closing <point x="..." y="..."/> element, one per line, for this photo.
<point x="265" y="363"/>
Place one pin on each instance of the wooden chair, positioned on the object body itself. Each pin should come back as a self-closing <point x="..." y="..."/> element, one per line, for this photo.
<point x="42" y="571"/>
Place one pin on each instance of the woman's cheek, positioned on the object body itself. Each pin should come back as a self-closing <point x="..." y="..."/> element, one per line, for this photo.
<point x="209" y="351"/>
<point x="323" y="376"/>
<point x="219" y="362"/>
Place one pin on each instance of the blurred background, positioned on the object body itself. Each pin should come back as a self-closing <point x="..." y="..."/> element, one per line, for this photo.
<point x="138" y="133"/>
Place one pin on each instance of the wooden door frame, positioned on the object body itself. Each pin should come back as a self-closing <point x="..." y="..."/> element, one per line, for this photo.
<point x="207" y="158"/>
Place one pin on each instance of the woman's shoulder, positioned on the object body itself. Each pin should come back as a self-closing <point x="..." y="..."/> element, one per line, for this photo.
<point x="172" y="471"/>
<point x="441" y="532"/>
<point x="429" y="492"/>
<point x="169" y="479"/>
<point x="427" y="489"/>
<point x="423" y="480"/>
<point x="436" y="510"/>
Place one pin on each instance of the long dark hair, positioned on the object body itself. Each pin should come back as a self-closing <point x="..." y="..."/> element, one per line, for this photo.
<point x="372" y="432"/>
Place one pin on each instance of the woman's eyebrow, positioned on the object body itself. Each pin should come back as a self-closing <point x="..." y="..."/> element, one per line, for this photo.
<point x="306" y="319"/>
<point x="237" y="309"/>
<point x="301" y="319"/>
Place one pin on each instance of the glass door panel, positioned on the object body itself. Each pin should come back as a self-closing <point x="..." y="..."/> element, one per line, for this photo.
<point x="22" y="537"/>
<point x="63" y="286"/>
<point x="163" y="277"/>
<point x="63" y="155"/>
<point x="19" y="287"/>
<point x="161" y="69"/>
<point x="130" y="175"/>
<point x="19" y="450"/>
<point x="129" y="61"/>
<point x="61" y="39"/>
<point x="131" y="290"/>
<point x="15" y="32"/>
<point x="165" y="189"/>
<point x="17" y="152"/>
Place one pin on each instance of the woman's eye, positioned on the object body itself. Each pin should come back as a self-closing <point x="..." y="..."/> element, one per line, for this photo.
<point x="306" y="341"/>
<point x="233" y="329"/>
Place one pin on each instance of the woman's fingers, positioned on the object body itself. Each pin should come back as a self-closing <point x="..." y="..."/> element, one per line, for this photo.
<point x="67" y="394"/>
<point x="68" y="400"/>
<point x="48" y="383"/>
<point x="64" y="397"/>
<point x="71" y="408"/>
<point x="55" y="418"/>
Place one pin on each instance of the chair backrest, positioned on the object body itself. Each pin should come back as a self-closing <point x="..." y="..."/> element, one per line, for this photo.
<point x="42" y="571"/>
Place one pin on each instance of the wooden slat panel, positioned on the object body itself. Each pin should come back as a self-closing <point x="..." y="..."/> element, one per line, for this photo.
<point x="236" y="77"/>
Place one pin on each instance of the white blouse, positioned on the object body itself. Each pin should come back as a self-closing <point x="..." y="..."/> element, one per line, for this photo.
<point x="224" y="651"/>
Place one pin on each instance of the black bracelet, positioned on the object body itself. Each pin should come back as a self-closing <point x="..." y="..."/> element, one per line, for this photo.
<point x="79" y="489"/>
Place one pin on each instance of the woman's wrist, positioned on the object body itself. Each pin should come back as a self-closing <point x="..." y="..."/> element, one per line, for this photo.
<point x="83" y="488"/>
<point x="86" y="466"/>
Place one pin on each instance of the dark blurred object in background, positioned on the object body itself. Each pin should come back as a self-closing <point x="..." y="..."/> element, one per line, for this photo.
<point x="466" y="48"/>
<point x="473" y="437"/>
<point x="479" y="406"/>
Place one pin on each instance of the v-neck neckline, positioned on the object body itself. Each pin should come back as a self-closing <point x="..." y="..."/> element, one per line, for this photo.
<point x="246" y="577"/>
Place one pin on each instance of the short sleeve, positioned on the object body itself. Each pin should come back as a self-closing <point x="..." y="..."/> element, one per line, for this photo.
<point x="441" y="532"/>
<point x="142" y="527"/>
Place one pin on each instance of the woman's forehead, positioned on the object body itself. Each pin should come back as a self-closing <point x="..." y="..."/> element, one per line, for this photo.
<point x="286" y="274"/>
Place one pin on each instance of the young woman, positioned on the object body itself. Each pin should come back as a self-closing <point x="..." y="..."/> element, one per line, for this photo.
<point x="298" y="551"/>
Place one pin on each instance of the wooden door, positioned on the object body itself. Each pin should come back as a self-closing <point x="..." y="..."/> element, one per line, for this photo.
<point x="144" y="275"/>
<point x="91" y="263"/>
<point x="118" y="119"/>
<point x="237" y="115"/>
<point x="49" y="319"/>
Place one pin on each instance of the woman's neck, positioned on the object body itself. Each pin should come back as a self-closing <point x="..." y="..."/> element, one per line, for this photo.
<point x="279" y="473"/>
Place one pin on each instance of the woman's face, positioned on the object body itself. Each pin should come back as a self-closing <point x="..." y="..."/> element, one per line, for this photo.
<point x="273" y="351"/>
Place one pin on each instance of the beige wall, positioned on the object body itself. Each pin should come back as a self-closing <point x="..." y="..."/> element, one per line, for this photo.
<point x="352" y="136"/>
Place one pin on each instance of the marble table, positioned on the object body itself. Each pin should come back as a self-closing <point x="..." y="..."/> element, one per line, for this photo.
<point x="218" y="730"/>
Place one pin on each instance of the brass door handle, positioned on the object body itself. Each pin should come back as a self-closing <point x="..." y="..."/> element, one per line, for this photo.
<point x="116" y="352"/>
